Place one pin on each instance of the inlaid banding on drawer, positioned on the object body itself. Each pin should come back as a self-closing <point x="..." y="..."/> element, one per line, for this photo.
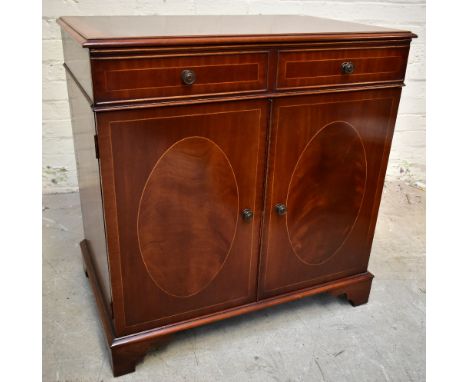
<point x="160" y="77"/>
<point x="324" y="67"/>
<point x="327" y="68"/>
<point x="170" y="77"/>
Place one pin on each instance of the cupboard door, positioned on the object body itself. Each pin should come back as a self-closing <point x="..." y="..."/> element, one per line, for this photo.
<point x="328" y="156"/>
<point x="176" y="184"/>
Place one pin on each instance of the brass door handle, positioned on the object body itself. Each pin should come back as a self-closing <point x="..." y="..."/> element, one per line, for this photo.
<point x="247" y="214"/>
<point x="281" y="209"/>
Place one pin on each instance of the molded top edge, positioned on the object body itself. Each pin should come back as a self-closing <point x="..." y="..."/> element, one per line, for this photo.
<point x="128" y="31"/>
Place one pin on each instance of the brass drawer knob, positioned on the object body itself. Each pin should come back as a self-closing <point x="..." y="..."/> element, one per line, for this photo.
<point x="188" y="76"/>
<point x="281" y="209"/>
<point x="347" y="67"/>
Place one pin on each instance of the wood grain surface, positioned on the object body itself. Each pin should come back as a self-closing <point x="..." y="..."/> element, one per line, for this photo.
<point x="130" y="31"/>
<point x="181" y="207"/>
<point x="175" y="181"/>
<point x="322" y="67"/>
<point x="160" y="76"/>
<point x="327" y="155"/>
<point x="89" y="181"/>
<point x="188" y="216"/>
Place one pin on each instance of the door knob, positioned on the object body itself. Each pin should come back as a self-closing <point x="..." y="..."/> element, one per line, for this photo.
<point x="347" y="67"/>
<point x="281" y="209"/>
<point x="188" y="76"/>
<point x="247" y="214"/>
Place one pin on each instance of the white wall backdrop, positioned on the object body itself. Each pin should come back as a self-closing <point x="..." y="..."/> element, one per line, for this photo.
<point x="407" y="160"/>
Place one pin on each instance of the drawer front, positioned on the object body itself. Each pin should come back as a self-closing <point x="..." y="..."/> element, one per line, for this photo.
<point x="327" y="67"/>
<point x="161" y="76"/>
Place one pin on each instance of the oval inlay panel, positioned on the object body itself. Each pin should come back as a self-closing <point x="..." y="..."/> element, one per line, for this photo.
<point x="187" y="216"/>
<point x="326" y="192"/>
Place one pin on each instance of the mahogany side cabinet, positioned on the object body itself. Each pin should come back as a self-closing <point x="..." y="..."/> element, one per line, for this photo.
<point x="226" y="163"/>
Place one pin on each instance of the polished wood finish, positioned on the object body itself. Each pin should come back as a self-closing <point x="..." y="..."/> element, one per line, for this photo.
<point x="356" y="293"/>
<point x="160" y="76"/>
<point x="89" y="181"/>
<point x="224" y="170"/>
<point x="124" y="353"/>
<point x="323" y="67"/>
<point x="326" y="173"/>
<point x="127" y="351"/>
<point x="137" y="31"/>
<point x="177" y="180"/>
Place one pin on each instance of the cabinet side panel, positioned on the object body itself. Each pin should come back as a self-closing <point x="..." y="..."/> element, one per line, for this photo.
<point x="83" y="125"/>
<point x="77" y="61"/>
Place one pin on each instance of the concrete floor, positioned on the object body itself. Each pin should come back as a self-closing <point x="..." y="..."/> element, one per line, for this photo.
<point x="319" y="338"/>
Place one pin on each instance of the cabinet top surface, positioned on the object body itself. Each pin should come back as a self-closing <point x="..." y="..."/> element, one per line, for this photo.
<point x="105" y="31"/>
